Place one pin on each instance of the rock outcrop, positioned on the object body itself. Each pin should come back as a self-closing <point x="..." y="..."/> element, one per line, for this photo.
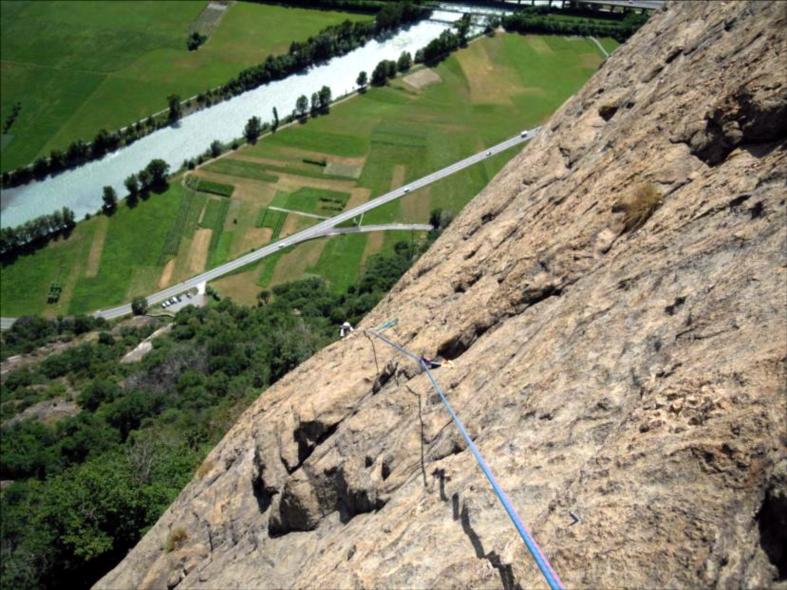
<point x="615" y="305"/>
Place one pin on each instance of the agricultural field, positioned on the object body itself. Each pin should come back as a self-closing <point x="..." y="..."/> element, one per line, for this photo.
<point x="365" y="147"/>
<point x="74" y="69"/>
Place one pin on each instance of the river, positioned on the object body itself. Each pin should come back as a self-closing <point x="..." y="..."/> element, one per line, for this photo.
<point x="80" y="189"/>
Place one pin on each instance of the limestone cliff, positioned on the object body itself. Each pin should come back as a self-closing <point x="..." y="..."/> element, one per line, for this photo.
<point x="615" y="304"/>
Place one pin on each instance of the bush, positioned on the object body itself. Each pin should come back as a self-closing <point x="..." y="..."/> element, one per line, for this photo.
<point x="638" y="207"/>
<point x="139" y="305"/>
<point x="176" y="539"/>
<point x="195" y="40"/>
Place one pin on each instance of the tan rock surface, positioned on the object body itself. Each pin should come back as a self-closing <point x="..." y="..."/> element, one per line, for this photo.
<point x="617" y="356"/>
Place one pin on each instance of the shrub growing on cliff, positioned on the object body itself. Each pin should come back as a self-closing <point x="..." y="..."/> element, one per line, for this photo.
<point x="638" y="207"/>
<point x="176" y="539"/>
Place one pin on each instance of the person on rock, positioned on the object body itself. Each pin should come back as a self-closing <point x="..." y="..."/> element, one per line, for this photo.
<point x="345" y="330"/>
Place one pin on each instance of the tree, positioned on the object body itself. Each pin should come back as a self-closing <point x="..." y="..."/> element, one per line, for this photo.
<point x="315" y="104"/>
<point x="158" y="170"/>
<point x="362" y="81"/>
<point x="40" y="167"/>
<point x="390" y="68"/>
<point x="69" y="221"/>
<point x="379" y="74"/>
<point x="405" y="62"/>
<point x="252" y="130"/>
<point x="302" y="105"/>
<point x="325" y="99"/>
<point x="110" y="199"/>
<point x="174" y="107"/>
<point x="275" y="119"/>
<point x="139" y="305"/>
<point x="145" y="181"/>
<point x="462" y="28"/>
<point x="195" y="40"/>
<point x="216" y="148"/>
<point x="132" y="184"/>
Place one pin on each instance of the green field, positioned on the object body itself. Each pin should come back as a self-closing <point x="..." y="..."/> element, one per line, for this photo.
<point x="209" y="186"/>
<point x="486" y="93"/>
<point x="609" y="44"/>
<point x="241" y="169"/>
<point x="78" y="66"/>
<point x="272" y="220"/>
<point x="312" y="200"/>
<point x="381" y="140"/>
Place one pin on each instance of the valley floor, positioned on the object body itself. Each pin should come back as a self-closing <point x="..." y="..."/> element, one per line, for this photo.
<point x="368" y="145"/>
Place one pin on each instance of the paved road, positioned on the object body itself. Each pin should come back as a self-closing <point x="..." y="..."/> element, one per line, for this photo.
<point x="294" y="212"/>
<point x="600" y="46"/>
<point x="324" y="228"/>
<point x="363" y="229"/>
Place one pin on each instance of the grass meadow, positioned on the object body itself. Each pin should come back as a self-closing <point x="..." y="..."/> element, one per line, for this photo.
<point x="76" y="69"/>
<point x="371" y="144"/>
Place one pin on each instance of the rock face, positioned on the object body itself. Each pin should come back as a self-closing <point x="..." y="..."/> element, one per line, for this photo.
<point x="615" y="305"/>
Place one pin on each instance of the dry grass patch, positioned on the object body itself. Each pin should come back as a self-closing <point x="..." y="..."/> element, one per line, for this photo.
<point x="358" y="196"/>
<point x="590" y="60"/>
<point x="374" y="243"/>
<point x="205" y="468"/>
<point x="290" y="226"/>
<point x="198" y="253"/>
<point x="422" y="78"/>
<point x="291" y="183"/>
<point x="246" y="189"/>
<point x="299" y="154"/>
<point x="176" y="539"/>
<point x="166" y="274"/>
<point x="253" y="238"/>
<point x="417" y="206"/>
<point x="488" y="82"/>
<point x="538" y="45"/>
<point x="97" y="247"/>
<point x="397" y="176"/>
<point x="638" y="206"/>
<point x="294" y="264"/>
<point x="240" y="287"/>
<point x="233" y="213"/>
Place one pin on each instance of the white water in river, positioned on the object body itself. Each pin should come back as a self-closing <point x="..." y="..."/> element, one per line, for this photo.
<point x="80" y="189"/>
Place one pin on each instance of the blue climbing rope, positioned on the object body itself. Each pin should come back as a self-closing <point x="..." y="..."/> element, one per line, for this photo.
<point x="541" y="561"/>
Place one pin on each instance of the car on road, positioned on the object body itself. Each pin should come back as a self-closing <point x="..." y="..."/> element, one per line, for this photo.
<point x="165" y="304"/>
<point x="489" y="153"/>
<point x="524" y="133"/>
<point x="407" y="189"/>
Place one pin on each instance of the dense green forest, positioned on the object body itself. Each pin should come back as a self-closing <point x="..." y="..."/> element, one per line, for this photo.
<point x="85" y="489"/>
